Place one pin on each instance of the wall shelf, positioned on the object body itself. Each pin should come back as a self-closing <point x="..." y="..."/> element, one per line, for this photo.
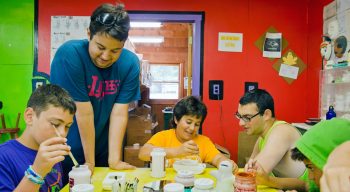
<point x="335" y="90"/>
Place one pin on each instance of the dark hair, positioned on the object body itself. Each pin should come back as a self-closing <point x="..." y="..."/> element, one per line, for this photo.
<point x="120" y="27"/>
<point x="297" y="155"/>
<point x="189" y="105"/>
<point x="51" y="94"/>
<point x="261" y="98"/>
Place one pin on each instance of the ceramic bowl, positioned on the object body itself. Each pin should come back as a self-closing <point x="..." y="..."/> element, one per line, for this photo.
<point x="189" y="165"/>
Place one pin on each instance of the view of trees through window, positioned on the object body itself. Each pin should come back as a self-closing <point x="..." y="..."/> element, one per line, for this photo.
<point x="165" y="81"/>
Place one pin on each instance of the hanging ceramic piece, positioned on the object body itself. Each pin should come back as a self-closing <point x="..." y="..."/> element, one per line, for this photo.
<point x="326" y="48"/>
<point x="340" y="45"/>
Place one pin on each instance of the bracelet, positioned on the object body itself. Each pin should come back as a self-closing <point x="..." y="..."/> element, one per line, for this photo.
<point x="32" y="172"/>
<point x="33" y="176"/>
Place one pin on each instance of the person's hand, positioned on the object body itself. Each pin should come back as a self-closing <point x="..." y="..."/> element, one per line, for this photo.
<point x="234" y="167"/>
<point x="262" y="178"/>
<point x="91" y="166"/>
<point x="120" y="165"/>
<point x="188" y="148"/>
<point x="50" y="152"/>
<point x="251" y="166"/>
<point x="335" y="178"/>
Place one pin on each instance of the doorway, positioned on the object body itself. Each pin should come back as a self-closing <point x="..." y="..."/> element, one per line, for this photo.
<point x="182" y="49"/>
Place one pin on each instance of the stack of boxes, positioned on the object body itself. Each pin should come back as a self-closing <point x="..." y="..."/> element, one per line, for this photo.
<point x="139" y="130"/>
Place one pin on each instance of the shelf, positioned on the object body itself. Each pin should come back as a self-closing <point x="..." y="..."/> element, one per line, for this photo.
<point x="302" y="126"/>
<point x="335" y="90"/>
<point x="342" y="112"/>
<point x="340" y="83"/>
<point x="337" y="69"/>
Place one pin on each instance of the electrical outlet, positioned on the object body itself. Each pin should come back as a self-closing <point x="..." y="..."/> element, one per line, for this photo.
<point x="216" y="89"/>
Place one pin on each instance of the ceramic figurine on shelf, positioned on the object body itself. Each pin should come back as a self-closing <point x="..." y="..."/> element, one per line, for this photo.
<point x="326" y="51"/>
<point x="340" y="45"/>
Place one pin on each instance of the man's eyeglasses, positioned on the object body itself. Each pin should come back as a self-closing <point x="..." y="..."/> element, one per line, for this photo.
<point x="245" y="118"/>
<point x="106" y="19"/>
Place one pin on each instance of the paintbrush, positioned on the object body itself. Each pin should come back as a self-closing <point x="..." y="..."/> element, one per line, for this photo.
<point x="76" y="164"/>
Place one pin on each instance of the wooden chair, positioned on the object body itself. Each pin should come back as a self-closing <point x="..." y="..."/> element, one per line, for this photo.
<point x="12" y="131"/>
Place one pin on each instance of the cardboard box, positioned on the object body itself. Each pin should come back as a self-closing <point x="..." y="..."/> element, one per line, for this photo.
<point x="330" y="10"/>
<point x="343" y="24"/>
<point x="131" y="154"/>
<point x="144" y="110"/>
<point x="342" y="5"/>
<point x="330" y="23"/>
<point x="139" y="130"/>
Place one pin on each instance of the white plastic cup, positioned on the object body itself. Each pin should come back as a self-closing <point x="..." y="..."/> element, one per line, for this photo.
<point x="158" y="163"/>
<point x="83" y="188"/>
<point x="79" y="175"/>
<point x="174" y="187"/>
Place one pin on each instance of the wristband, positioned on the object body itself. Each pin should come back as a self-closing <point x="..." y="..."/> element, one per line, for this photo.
<point x="32" y="172"/>
<point x="33" y="176"/>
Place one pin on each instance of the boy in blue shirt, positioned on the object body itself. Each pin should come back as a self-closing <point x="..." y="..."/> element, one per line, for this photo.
<point x="32" y="162"/>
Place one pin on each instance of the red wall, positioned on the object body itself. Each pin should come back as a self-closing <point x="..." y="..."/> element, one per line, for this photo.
<point x="299" y="21"/>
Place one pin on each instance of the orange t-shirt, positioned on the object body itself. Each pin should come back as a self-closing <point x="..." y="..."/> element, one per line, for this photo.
<point x="167" y="138"/>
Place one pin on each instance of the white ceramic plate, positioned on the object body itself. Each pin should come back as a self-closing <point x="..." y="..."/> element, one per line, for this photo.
<point x="189" y="165"/>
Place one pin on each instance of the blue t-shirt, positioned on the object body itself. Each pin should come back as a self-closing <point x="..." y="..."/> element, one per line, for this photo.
<point x="73" y="70"/>
<point x="15" y="159"/>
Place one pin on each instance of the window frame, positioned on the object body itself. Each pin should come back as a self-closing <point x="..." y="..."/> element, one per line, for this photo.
<point x="180" y="82"/>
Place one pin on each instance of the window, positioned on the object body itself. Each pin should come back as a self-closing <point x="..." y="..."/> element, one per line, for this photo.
<point x="165" y="83"/>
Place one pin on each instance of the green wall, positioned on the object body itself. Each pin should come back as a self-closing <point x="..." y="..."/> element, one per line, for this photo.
<point x="16" y="58"/>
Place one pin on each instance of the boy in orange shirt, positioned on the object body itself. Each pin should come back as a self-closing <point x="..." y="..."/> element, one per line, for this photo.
<point x="183" y="141"/>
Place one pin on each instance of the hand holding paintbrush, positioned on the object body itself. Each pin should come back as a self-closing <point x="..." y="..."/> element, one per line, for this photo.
<point x="76" y="164"/>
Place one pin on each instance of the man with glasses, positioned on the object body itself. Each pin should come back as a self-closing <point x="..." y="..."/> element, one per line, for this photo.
<point x="103" y="78"/>
<point x="271" y="153"/>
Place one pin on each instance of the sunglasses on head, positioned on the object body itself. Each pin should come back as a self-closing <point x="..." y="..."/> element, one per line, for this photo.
<point x="106" y="19"/>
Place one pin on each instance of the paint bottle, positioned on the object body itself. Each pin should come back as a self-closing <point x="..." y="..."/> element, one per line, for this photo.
<point x="79" y="175"/>
<point x="158" y="163"/>
<point x="245" y="181"/>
